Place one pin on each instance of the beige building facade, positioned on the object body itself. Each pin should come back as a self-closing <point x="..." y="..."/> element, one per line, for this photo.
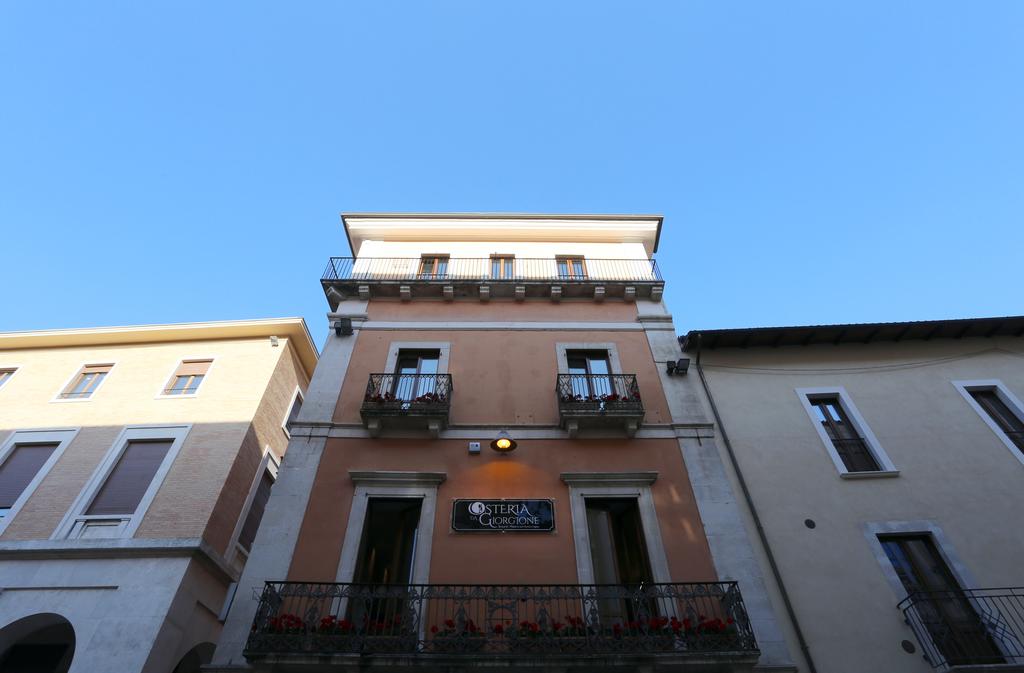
<point x="135" y="463"/>
<point x="498" y="463"/>
<point x="884" y="463"/>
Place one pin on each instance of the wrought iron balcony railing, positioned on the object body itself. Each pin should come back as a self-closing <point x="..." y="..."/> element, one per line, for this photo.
<point x="596" y="394"/>
<point x="484" y="269"/>
<point x="502" y="621"/>
<point x="968" y="627"/>
<point x="408" y="394"/>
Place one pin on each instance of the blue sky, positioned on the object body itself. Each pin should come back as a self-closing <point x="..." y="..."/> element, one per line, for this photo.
<point x="816" y="162"/>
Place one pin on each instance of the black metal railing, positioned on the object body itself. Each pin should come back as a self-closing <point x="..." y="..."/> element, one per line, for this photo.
<point x="968" y="627"/>
<point x="501" y="620"/>
<point x="855" y="454"/>
<point x="408" y="394"/>
<point x="598" y="394"/>
<point x="483" y="269"/>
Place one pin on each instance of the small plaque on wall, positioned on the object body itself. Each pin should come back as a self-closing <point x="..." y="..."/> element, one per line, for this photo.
<point x="495" y="516"/>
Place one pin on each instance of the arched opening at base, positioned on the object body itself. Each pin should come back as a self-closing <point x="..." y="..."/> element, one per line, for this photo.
<point x="194" y="658"/>
<point x="43" y="643"/>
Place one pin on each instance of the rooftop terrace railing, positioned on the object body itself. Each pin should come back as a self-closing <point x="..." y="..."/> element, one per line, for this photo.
<point x="485" y="269"/>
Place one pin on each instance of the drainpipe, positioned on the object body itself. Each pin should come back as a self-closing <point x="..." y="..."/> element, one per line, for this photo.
<point x="791" y="613"/>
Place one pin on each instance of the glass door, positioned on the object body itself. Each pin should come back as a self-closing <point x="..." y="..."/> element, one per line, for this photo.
<point x="415" y="374"/>
<point x="618" y="552"/>
<point x="944" y="610"/>
<point x="590" y="373"/>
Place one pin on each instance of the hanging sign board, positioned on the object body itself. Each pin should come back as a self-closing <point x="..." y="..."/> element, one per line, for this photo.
<point x="495" y="516"/>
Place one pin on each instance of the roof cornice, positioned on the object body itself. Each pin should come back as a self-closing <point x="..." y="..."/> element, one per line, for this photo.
<point x="293" y="329"/>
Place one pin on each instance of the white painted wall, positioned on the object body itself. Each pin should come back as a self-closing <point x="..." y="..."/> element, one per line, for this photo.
<point x="954" y="472"/>
<point x="117" y="607"/>
<point x="524" y="249"/>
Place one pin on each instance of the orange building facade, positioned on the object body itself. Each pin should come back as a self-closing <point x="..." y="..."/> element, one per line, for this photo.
<point x="502" y="459"/>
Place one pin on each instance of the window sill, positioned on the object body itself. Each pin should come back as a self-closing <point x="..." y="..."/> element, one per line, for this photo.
<point x="879" y="474"/>
<point x="178" y="397"/>
<point x="69" y="400"/>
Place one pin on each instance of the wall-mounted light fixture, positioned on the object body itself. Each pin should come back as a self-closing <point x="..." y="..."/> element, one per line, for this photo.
<point x="343" y="327"/>
<point x="679" y="366"/>
<point x="503" y="443"/>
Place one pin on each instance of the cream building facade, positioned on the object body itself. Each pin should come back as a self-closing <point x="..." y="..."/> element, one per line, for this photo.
<point x="135" y="463"/>
<point x="485" y="363"/>
<point x="884" y="464"/>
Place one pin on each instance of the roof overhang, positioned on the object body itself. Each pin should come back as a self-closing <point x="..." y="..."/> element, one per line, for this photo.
<point x="294" y="329"/>
<point x="359" y="227"/>
<point x="806" y="335"/>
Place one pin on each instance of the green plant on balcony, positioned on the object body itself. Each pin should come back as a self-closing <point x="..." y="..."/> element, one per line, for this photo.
<point x="462" y="636"/>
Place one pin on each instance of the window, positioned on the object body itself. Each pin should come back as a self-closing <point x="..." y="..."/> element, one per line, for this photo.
<point x="256" y="509"/>
<point x="20" y="467"/>
<point x="124" y="487"/>
<point x="571" y="268"/>
<point x="415" y="373"/>
<point x="293" y="412"/>
<point x="86" y="382"/>
<point x="851" y="445"/>
<point x="433" y="267"/>
<point x="843" y="435"/>
<point x="5" y="375"/>
<point x="1001" y="414"/>
<point x="25" y="458"/>
<point x="940" y="604"/>
<point x="187" y="377"/>
<point x="619" y="554"/>
<point x="117" y="496"/>
<point x="589" y="372"/>
<point x="503" y="266"/>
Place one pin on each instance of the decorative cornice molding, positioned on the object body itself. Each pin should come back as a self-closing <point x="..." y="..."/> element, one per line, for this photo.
<point x="390" y="478"/>
<point x="609" y="478"/>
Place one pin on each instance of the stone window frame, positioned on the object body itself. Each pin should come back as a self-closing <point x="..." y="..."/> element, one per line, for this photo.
<point x="61" y="436"/>
<point x="561" y="349"/>
<point x="75" y="521"/>
<point x="387" y="484"/>
<point x="296" y="394"/>
<point x="886" y="468"/>
<point x="59" y="398"/>
<point x="269" y="463"/>
<point x="169" y="379"/>
<point x="625" y="485"/>
<point x="444" y="349"/>
<point x="1005" y="395"/>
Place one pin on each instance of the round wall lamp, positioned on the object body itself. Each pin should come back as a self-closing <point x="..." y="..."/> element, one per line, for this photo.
<point x="503" y="443"/>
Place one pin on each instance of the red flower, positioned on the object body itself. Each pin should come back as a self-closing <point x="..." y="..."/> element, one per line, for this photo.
<point x="499" y="629"/>
<point x="450" y="623"/>
<point x="433" y="629"/>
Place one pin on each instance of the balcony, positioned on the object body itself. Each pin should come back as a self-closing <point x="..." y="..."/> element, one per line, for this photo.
<point x="408" y="278"/>
<point x="407" y="402"/>
<point x="599" y="402"/>
<point x="969" y="630"/>
<point x="676" y="627"/>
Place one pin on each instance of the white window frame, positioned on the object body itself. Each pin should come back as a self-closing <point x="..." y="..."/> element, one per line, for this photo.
<point x="624" y="485"/>
<point x="561" y="352"/>
<point x="78" y="372"/>
<point x="270" y="464"/>
<point x="886" y="468"/>
<point x="169" y="379"/>
<point x="14" y="369"/>
<point x="76" y="522"/>
<point x="1007" y="398"/>
<point x="444" y="349"/>
<point x="62" y="437"/>
<point x="296" y="394"/>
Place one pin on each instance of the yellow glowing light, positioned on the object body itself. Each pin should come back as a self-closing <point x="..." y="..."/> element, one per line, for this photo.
<point x="503" y="444"/>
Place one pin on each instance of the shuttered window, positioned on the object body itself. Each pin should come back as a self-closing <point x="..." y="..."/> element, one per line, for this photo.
<point x="130" y="478"/>
<point x="87" y="381"/>
<point x="20" y="468"/>
<point x="187" y="377"/>
<point x="256" y="510"/>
